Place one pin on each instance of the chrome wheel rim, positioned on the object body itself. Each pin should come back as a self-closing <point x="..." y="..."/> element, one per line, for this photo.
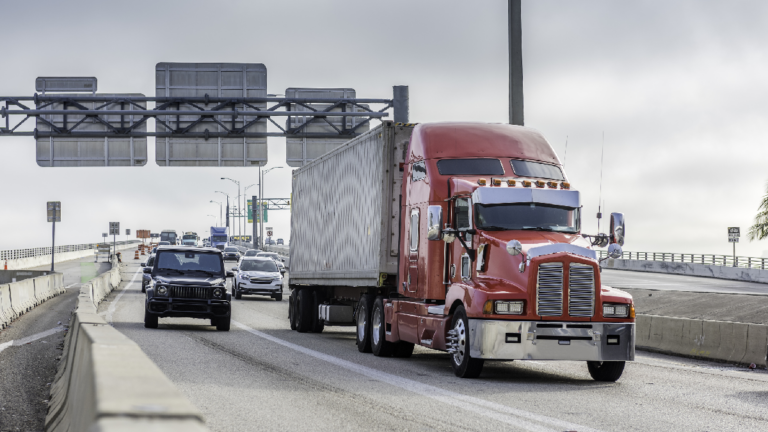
<point x="461" y="334"/>
<point x="361" y="318"/>
<point x="376" y="326"/>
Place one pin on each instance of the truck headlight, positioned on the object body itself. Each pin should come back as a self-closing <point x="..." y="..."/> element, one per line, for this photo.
<point x="504" y="307"/>
<point x="217" y="292"/>
<point x="162" y="290"/>
<point x="616" y="310"/>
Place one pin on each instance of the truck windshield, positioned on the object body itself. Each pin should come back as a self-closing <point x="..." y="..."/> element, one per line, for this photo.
<point x="258" y="265"/>
<point x="525" y="168"/>
<point x="528" y="216"/>
<point x="470" y="167"/>
<point x="189" y="262"/>
<point x="221" y="238"/>
<point x="169" y="237"/>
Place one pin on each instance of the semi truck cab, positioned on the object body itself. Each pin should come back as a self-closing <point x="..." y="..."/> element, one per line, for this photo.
<point x="494" y="258"/>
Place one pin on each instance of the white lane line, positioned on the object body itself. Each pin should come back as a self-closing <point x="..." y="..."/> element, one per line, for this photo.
<point x="71" y="285"/>
<point x="113" y="304"/>
<point x="499" y="412"/>
<point x="32" y="338"/>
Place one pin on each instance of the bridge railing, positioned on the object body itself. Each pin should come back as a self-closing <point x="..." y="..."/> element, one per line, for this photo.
<point x="12" y="254"/>
<point x="707" y="259"/>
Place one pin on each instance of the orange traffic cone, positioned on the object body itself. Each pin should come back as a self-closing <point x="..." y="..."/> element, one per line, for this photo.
<point x="137" y="254"/>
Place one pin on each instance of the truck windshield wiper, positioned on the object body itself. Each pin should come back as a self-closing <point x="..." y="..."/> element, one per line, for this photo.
<point x="536" y="228"/>
<point x="494" y="228"/>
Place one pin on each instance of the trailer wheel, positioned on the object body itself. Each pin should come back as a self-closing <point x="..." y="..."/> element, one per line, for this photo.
<point x="317" y="324"/>
<point x="605" y="371"/>
<point x="464" y="366"/>
<point x="303" y="310"/>
<point x="292" y="309"/>
<point x="363" y="333"/>
<point x="380" y="346"/>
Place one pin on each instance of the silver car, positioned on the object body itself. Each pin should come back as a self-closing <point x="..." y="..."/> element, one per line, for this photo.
<point x="256" y="275"/>
<point x="275" y="257"/>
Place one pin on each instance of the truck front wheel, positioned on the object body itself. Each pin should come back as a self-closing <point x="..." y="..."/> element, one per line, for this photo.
<point x="464" y="366"/>
<point x="363" y="333"/>
<point x="379" y="344"/>
<point x="605" y="371"/>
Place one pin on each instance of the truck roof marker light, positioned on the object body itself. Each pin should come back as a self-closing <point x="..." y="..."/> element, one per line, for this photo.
<point x="565" y="185"/>
<point x="481" y="182"/>
<point x="496" y="182"/>
<point x="526" y="183"/>
<point x="511" y="183"/>
<point x="552" y="184"/>
<point x="540" y="183"/>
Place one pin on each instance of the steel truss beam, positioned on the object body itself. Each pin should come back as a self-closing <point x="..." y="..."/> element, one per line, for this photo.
<point x="225" y="111"/>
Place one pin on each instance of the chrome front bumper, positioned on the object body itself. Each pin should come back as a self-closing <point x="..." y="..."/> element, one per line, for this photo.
<point x="546" y="340"/>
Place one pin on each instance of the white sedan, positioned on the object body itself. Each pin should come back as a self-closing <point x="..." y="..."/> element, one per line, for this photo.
<point x="257" y="275"/>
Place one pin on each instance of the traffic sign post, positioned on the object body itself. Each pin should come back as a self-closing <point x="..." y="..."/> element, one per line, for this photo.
<point x="114" y="229"/>
<point x="54" y="215"/>
<point x="733" y="237"/>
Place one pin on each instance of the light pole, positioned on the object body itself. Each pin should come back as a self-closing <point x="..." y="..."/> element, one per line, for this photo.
<point x="261" y="200"/>
<point x="219" y="210"/>
<point x="245" y="206"/>
<point x="227" y="223"/>
<point x="238" y="194"/>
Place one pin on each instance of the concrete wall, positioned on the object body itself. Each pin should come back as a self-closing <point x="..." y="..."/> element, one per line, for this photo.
<point x="106" y="383"/>
<point x="689" y="269"/>
<point x="26" y="263"/>
<point x="712" y="340"/>
<point x="20" y="297"/>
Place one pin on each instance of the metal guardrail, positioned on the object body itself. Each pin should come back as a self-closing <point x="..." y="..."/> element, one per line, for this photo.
<point x="41" y="251"/>
<point x="707" y="259"/>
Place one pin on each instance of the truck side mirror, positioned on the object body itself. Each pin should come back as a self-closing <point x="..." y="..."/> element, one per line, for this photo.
<point x="617" y="228"/>
<point x="434" y="222"/>
<point x="614" y="251"/>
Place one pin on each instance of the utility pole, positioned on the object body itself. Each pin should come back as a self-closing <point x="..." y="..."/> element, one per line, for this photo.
<point x="515" y="63"/>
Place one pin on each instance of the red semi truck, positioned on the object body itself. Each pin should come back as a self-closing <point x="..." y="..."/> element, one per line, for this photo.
<point x="459" y="237"/>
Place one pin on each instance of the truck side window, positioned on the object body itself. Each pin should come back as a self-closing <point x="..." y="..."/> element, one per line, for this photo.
<point x="462" y="213"/>
<point x="415" y="229"/>
<point x="465" y="268"/>
<point x="418" y="171"/>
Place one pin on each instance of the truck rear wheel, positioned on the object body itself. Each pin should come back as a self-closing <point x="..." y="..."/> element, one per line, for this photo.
<point x="464" y="366"/>
<point x="379" y="344"/>
<point x="292" y="309"/>
<point x="317" y="324"/>
<point x="303" y="310"/>
<point x="403" y="349"/>
<point x="605" y="371"/>
<point x="363" y="333"/>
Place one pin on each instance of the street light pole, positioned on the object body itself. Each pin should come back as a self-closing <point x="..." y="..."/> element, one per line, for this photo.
<point x="238" y="195"/>
<point x="227" y="195"/>
<point x="219" y="210"/>
<point x="261" y="199"/>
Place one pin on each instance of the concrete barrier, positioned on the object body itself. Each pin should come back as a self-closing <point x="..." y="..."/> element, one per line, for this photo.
<point x="711" y="340"/>
<point x="20" y="297"/>
<point x="689" y="269"/>
<point x="106" y="383"/>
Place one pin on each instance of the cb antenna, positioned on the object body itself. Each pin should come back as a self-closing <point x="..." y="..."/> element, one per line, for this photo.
<point x="600" y="198"/>
<point x="565" y="156"/>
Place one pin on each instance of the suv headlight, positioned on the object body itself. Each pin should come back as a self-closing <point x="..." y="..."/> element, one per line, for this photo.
<point x="616" y="310"/>
<point x="243" y="276"/>
<point x="162" y="290"/>
<point x="217" y="292"/>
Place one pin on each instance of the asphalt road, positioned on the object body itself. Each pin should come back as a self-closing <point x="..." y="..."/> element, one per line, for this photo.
<point x="30" y="349"/>
<point x="262" y="376"/>
<point x="667" y="282"/>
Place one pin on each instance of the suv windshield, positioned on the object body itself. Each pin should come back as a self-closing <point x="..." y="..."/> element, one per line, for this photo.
<point x="267" y="255"/>
<point x="189" y="262"/>
<point x="231" y="249"/>
<point x="258" y="265"/>
<point x="251" y="253"/>
<point x="529" y="216"/>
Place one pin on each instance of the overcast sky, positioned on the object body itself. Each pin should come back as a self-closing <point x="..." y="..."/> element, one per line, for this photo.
<point x="679" y="90"/>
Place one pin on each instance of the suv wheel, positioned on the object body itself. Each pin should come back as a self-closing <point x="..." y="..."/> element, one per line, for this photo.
<point x="150" y="320"/>
<point x="222" y="323"/>
<point x="238" y="294"/>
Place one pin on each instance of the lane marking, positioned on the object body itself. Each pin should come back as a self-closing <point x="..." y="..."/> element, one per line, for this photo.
<point x="32" y="338"/>
<point x="493" y="410"/>
<point x="113" y="303"/>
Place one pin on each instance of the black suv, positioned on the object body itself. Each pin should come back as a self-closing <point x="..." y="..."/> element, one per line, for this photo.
<point x="188" y="282"/>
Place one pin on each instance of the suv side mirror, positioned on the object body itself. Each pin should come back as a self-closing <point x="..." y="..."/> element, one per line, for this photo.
<point x="147" y="269"/>
<point x="230" y="274"/>
<point x="617" y="228"/>
<point x="434" y="222"/>
<point x="143" y="264"/>
<point x="234" y="269"/>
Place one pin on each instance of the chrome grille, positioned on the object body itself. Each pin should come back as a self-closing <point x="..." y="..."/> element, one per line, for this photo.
<point x="190" y="292"/>
<point x="549" y="289"/>
<point x="581" y="290"/>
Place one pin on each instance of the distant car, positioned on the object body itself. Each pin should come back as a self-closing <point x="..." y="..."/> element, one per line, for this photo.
<point x="250" y="253"/>
<point x="231" y="253"/>
<point x="154" y="250"/>
<point x="275" y="257"/>
<point x="257" y="275"/>
<point x="146" y="277"/>
<point x="280" y="242"/>
<point x="164" y="243"/>
<point x="242" y="249"/>
<point x="269" y="241"/>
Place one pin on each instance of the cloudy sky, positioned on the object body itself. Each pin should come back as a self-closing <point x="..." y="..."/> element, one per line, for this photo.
<point x="678" y="89"/>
